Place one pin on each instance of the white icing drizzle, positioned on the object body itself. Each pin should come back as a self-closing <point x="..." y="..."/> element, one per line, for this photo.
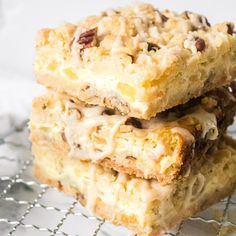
<point x="92" y="190"/>
<point x="190" y="42"/>
<point x="192" y="196"/>
<point x="140" y="28"/>
<point x="208" y="122"/>
<point x="91" y="112"/>
<point x="118" y="43"/>
<point x="82" y="132"/>
<point x="158" y="17"/>
<point x="122" y="25"/>
<point x="75" y="47"/>
<point x="197" y="20"/>
<point x="153" y="31"/>
<point x="143" y="58"/>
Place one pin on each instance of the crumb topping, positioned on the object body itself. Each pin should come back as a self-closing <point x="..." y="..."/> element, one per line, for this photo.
<point x="144" y="30"/>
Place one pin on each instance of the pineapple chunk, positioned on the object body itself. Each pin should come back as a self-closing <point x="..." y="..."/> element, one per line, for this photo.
<point x="127" y="90"/>
<point x="150" y="83"/>
<point x="70" y="73"/>
<point x="52" y="66"/>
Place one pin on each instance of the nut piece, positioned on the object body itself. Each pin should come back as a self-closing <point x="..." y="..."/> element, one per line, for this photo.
<point x="131" y="158"/>
<point x="198" y="21"/>
<point x="134" y="122"/>
<point x="164" y="18"/>
<point x="63" y="136"/>
<point x="73" y="111"/>
<point x="88" y="38"/>
<point x="44" y="107"/>
<point x="186" y="14"/>
<point x="200" y="44"/>
<point x="230" y="29"/>
<point x="108" y="112"/>
<point x="152" y="46"/>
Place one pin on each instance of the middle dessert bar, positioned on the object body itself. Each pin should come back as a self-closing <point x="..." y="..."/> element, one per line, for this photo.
<point x="161" y="148"/>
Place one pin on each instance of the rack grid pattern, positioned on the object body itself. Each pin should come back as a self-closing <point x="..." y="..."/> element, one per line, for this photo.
<point x="30" y="208"/>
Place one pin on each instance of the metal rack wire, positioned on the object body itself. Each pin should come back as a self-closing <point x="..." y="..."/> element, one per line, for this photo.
<point x="30" y="208"/>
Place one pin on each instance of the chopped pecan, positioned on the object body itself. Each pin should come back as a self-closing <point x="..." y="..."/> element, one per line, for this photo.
<point x="131" y="158"/>
<point x="108" y="112"/>
<point x="88" y="38"/>
<point x="132" y="58"/>
<point x="186" y="14"/>
<point x="207" y="22"/>
<point x="134" y="122"/>
<point x="164" y="18"/>
<point x="202" y="19"/>
<point x="200" y="44"/>
<point x="63" y="136"/>
<point x="71" y="100"/>
<point x="152" y="46"/>
<point x="44" y="106"/>
<point x="230" y="29"/>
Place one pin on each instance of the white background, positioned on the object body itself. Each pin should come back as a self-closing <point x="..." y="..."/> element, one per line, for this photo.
<point x="21" y="19"/>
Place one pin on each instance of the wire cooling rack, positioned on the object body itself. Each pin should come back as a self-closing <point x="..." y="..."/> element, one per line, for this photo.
<point x="30" y="208"/>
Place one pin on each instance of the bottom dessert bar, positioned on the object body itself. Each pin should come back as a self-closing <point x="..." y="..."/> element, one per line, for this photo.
<point x="144" y="206"/>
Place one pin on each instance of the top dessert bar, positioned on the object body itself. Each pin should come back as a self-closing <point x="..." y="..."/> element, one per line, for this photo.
<point x="137" y="59"/>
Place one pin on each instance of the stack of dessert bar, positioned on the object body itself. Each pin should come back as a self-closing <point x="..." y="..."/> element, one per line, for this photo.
<point x="134" y="118"/>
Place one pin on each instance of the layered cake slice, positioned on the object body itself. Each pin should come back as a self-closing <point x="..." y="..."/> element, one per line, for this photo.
<point x="144" y="206"/>
<point x="137" y="59"/>
<point x="162" y="148"/>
